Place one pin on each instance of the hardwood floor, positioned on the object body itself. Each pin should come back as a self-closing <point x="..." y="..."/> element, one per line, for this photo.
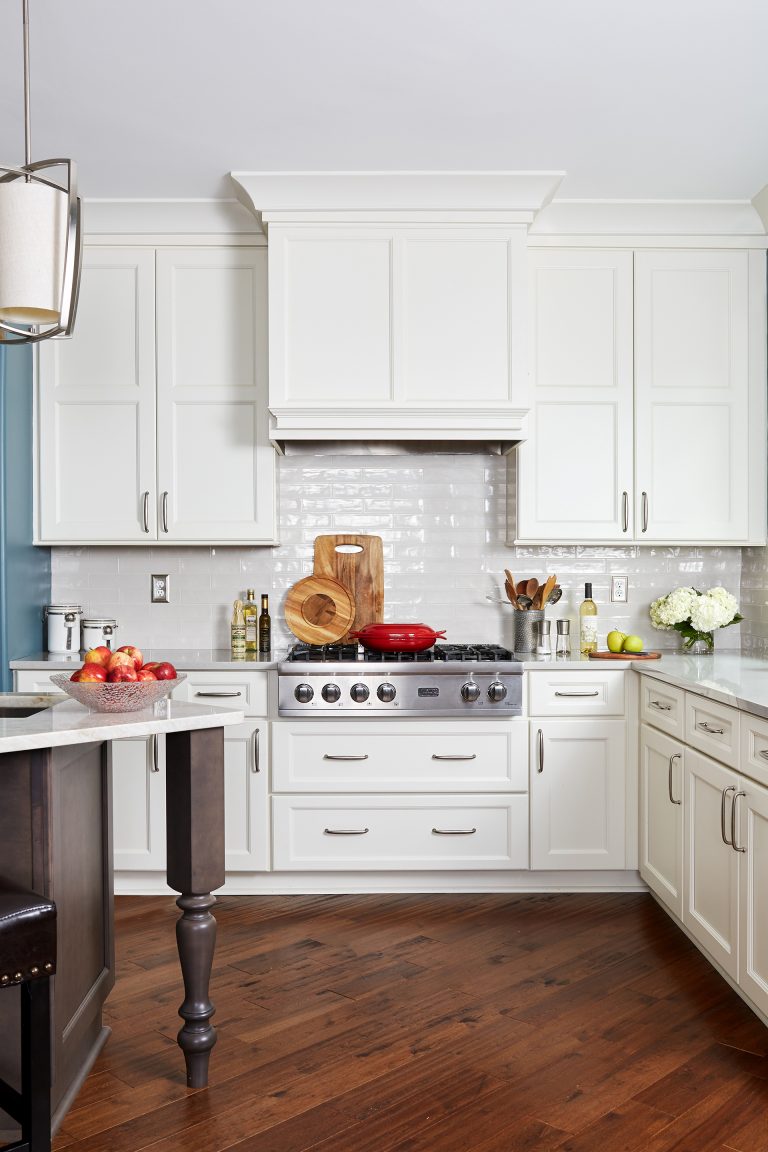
<point x="443" y="1023"/>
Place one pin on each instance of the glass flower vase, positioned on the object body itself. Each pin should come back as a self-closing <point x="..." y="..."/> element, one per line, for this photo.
<point x="699" y="643"/>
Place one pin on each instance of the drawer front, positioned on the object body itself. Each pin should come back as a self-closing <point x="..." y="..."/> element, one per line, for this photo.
<point x="412" y="756"/>
<point x="36" y="680"/>
<point x="712" y="728"/>
<point x="593" y="692"/>
<point x="371" y="833"/>
<point x="246" y="691"/>
<point x="662" y="705"/>
<point x="754" y="748"/>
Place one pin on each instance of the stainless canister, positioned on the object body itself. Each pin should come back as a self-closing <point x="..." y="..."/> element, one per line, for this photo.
<point x="97" y="632"/>
<point x="524" y="637"/>
<point x="63" y="627"/>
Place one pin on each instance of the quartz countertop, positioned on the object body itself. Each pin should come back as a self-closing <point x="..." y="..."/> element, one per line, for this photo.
<point x="68" y="722"/>
<point x="728" y="677"/>
<point x="185" y="659"/>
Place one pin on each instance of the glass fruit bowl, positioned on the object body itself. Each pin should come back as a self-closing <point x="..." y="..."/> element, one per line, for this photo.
<point x="122" y="696"/>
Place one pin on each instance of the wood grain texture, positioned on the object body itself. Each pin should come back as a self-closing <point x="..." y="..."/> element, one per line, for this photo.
<point x="362" y="573"/>
<point x="430" y="1023"/>
<point x="319" y="610"/>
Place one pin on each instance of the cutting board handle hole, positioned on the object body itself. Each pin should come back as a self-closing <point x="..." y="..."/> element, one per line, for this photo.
<point x="349" y="549"/>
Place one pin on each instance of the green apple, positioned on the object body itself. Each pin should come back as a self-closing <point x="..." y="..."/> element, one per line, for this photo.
<point x="615" y="640"/>
<point x="632" y="644"/>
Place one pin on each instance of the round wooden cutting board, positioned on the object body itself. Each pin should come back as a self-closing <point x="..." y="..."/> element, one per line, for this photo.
<point x="319" y="610"/>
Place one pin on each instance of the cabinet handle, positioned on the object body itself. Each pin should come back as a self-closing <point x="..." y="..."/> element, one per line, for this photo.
<point x="644" y="514"/>
<point x="658" y="705"/>
<point x="675" y="756"/>
<point x="764" y="753"/>
<point x="708" y="728"/>
<point x="330" y="756"/>
<point x="540" y="750"/>
<point x="577" y="693"/>
<point x="145" y="503"/>
<point x="454" y="831"/>
<point x="734" y="845"/>
<point x="625" y="511"/>
<point x="722" y="815"/>
<point x="165" y="511"/>
<point x="345" y="831"/>
<point x="255" y="765"/>
<point x="153" y="764"/>
<point x="218" y="694"/>
<point x="457" y="756"/>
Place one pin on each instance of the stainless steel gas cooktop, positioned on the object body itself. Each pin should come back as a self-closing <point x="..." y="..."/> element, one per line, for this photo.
<point x="476" y="680"/>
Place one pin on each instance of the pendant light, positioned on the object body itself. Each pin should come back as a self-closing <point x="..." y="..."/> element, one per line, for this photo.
<point x="40" y="240"/>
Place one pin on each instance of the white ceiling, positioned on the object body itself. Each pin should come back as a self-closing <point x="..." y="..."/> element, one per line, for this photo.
<point x="634" y="99"/>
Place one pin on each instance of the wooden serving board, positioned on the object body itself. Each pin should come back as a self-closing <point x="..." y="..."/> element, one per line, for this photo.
<point x="318" y="610"/>
<point x="625" y="655"/>
<point x="361" y="573"/>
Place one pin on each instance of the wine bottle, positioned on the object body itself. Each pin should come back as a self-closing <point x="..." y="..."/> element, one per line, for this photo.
<point x="587" y="623"/>
<point x="238" y="630"/>
<point x="265" y="625"/>
<point x="251" y="613"/>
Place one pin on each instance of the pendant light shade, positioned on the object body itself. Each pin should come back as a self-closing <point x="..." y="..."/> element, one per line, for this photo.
<point x="40" y="242"/>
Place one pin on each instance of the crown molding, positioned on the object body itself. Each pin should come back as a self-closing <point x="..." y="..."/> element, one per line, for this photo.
<point x="760" y="204"/>
<point x="167" y="217"/>
<point x="656" y="217"/>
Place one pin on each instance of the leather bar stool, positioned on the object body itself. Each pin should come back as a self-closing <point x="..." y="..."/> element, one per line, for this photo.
<point x="28" y="958"/>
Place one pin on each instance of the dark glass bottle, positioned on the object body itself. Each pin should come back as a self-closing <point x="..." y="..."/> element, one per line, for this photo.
<point x="265" y="625"/>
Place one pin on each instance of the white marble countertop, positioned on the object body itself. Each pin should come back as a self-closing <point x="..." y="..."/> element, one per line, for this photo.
<point x="729" y="677"/>
<point x="68" y="722"/>
<point x="185" y="659"/>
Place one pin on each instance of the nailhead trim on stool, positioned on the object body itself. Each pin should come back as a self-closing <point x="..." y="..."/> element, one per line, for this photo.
<point x="28" y="958"/>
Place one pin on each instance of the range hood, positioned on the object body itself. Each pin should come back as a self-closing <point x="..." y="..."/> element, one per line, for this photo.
<point x="397" y="307"/>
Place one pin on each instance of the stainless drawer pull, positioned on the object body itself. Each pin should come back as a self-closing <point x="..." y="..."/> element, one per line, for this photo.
<point x="540" y="748"/>
<point x="146" y="511"/>
<point x="625" y="511"/>
<point x="577" y="693"/>
<point x="255" y="766"/>
<point x="457" y="756"/>
<point x="454" y="831"/>
<point x="218" y="694"/>
<point x="675" y="756"/>
<point x="345" y="831"/>
<point x="708" y="728"/>
<point x="734" y="845"/>
<point x="165" y="511"/>
<point x="658" y="705"/>
<point x="723" y="802"/>
<point x="330" y="756"/>
<point x="644" y="513"/>
<point x="764" y="753"/>
<point x="153" y="764"/>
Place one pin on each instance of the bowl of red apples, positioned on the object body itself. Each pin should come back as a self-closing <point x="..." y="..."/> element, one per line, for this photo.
<point x="119" y="681"/>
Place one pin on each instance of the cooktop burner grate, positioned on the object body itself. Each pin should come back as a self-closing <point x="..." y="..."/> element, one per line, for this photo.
<point x="352" y="653"/>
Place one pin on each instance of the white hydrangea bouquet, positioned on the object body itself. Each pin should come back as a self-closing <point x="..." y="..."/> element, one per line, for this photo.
<point x="695" y="615"/>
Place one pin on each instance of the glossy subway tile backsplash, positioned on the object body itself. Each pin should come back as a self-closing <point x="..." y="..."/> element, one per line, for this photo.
<point x="442" y="519"/>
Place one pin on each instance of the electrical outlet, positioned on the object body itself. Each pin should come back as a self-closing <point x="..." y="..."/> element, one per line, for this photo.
<point x="161" y="592"/>
<point x="619" y="589"/>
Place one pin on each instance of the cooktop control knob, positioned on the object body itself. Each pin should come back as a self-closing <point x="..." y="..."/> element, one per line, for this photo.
<point x="386" y="692"/>
<point x="470" y="691"/>
<point x="359" y="693"/>
<point x="331" y="693"/>
<point x="304" y="693"/>
<point x="496" y="691"/>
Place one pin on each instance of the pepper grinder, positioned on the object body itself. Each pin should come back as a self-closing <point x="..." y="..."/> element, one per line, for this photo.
<point x="543" y="644"/>
<point x="563" y="638"/>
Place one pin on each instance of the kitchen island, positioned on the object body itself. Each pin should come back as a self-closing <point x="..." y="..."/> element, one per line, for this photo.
<point x="55" y="838"/>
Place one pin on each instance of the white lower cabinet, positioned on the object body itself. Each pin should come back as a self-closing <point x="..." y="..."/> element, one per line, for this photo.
<point x="661" y="816"/>
<point x="246" y="796"/>
<point x="138" y="803"/>
<point x="392" y="795"/>
<point x="753" y="892"/>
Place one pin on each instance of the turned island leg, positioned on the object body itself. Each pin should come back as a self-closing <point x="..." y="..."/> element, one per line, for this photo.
<point x="195" y="829"/>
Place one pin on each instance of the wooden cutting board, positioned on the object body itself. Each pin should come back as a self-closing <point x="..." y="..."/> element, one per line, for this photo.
<point x="625" y="655"/>
<point x="319" y="610"/>
<point x="361" y="572"/>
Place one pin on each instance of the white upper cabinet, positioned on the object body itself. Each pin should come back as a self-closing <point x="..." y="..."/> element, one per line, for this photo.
<point x="152" y="419"/>
<point x="648" y="399"/>
<point x="397" y="331"/>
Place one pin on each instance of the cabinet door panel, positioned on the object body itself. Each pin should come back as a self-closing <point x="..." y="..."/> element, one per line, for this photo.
<point x="661" y="817"/>
<point x="710" y="893"/>
<point x="246" y="772"/>
<point x="215" y="465"/>
<point x="138" y="805"/>
<point x="753" y="957"/>
<point x="578" y="787"/>
<point x="96" y="407"/>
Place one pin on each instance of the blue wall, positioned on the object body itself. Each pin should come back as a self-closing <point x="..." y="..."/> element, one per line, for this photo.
<point x="25" y="571"/>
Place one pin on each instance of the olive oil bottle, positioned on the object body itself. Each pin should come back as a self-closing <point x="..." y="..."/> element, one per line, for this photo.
<point x="587" y="623"/>
<point x="265" y="625"/>
<point x="238" y="631"/>
<point x="251" y="613"/>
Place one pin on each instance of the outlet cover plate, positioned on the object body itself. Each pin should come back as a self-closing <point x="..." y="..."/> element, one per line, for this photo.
<point x="619" y="589"/>
<point x="161" y="592"/>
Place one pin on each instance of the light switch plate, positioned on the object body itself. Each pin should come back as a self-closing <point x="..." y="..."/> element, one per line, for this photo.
<point x="161" y="592"/>
<point x="619" y="589"/>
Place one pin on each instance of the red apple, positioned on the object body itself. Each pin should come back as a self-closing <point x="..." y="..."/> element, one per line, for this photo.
<point x="165" y="671"/>
<point x="138" y="659"/>
<point x="152" y="665"/>
<point x="118" y="659"/>
<point x="145" y="674"/>
<point x="122" y="672"/>
<point x="90" y="672"/>
<point x="100" y="655"/>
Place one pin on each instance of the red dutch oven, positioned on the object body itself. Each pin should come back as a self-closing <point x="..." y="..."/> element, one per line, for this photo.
<point x="397" y="637"/>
